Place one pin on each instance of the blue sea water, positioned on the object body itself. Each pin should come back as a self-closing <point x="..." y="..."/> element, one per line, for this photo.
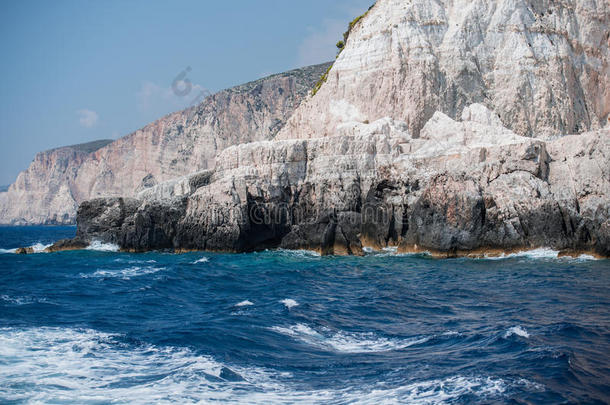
<point x="103" y="327"/>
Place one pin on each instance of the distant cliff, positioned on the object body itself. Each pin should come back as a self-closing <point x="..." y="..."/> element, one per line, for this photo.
<point x="49" y="191"/>
<point x="42" y="194"/>
<point x="458" y="127"/>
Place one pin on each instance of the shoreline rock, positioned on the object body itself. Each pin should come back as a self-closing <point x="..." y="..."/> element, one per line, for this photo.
<point x="438" y="127"/>
<point x="514" y="198"/>
<point x="67" y="245"/>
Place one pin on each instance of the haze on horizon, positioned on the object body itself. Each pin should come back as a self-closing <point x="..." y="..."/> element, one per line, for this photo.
<point x="77" y="71"/>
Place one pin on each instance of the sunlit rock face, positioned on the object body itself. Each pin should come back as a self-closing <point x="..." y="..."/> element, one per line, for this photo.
<point x="43" y="193"/>
<point x="50" y="190"/>
<point x="461" y="187"/>
<point x="457" y="127"/>
<point x="540" y="66"/>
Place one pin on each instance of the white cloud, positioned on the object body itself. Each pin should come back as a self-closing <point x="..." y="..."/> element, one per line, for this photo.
<point x="87" y="118"/>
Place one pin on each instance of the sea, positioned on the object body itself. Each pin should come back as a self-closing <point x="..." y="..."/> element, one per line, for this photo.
<point x="101" y="327"/>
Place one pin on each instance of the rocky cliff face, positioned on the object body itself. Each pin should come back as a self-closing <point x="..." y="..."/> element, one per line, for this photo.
<point x="373" y="185"/>
<point x="178" y="144"/>
<point x="441" y="127"/>
<point x="540" y="65"/>
<point x="43" y="193"/>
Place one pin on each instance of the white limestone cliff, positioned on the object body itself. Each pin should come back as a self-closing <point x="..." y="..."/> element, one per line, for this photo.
<point x="57" y="181"/>
<point x="459" y="127"/>
<point x="541" y="66"/>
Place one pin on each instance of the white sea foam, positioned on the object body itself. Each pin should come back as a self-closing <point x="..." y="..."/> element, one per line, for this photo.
<point x="301" y="254"/>
<point x="540" y="253"/>
<point x="346" y="342"/>
<point x="393" y="252"/>
<point x="585" y="258"/>
<point x="132" y="261"/>
<point x="245" y="303"/>
<point x="125" y="274"/>
<point x="22" y="300"/>
<point x="517" y="330"/>
<point x="289" y="303"/>
<point x="37" y="248"/>
<point x="60" y="365"/>
<point x="103" y="247"/>
<point x="436" y="391"/>
<point x="44" y="365"/>
<point x="202" y="260"/>
<point x="40" y="247"/>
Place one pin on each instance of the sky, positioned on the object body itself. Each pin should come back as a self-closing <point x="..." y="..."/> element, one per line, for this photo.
<point x="74" y="71"/>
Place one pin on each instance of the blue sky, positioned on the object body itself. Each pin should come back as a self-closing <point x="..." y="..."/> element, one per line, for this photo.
<point x="74" y="71"/>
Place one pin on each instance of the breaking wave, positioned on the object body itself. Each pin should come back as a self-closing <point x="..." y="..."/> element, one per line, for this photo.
<point x="518" y="331"/>
<point x="125" y="274"/>
<point x="289" y="303"/>
<point x="299" y="254"/>
<point x="40" y="247"/>
<point x="541" y="254"/>
<point x="346" y="342"/>
<point x="37" y="248"/>
<point x="103" y="247"/>
<point x="44" y="364"/>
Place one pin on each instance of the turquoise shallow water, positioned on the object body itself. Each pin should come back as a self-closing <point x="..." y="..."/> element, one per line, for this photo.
<point x="282" y="327"/>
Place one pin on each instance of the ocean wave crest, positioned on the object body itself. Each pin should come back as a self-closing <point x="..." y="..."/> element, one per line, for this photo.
<point x="299" y="254"/>
<point x="541" y="254"/>
<point x="42" y="365"/>
<point x="103" y="247"/>
<point x="18" y="301"/>
<point x="517" y="331"/>
<point x="37" y="248"/>
<point x="289" y="303"/>
<point x="346" y="342"/>
<point x="40" y="247"/>
<point x="125" y="274"/>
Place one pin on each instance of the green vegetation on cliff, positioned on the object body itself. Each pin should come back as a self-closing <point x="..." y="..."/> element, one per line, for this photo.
<point x="340" y="45"/>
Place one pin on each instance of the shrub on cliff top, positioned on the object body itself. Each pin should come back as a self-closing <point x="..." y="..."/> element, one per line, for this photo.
<point x="341" y="46"/>
<point x="320" y="82"/>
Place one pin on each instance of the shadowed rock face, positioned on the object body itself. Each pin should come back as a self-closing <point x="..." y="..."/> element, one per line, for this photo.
<point x="49" y="191"/>
<point x="439" y="128"/>
<point x="336" y="195"/>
